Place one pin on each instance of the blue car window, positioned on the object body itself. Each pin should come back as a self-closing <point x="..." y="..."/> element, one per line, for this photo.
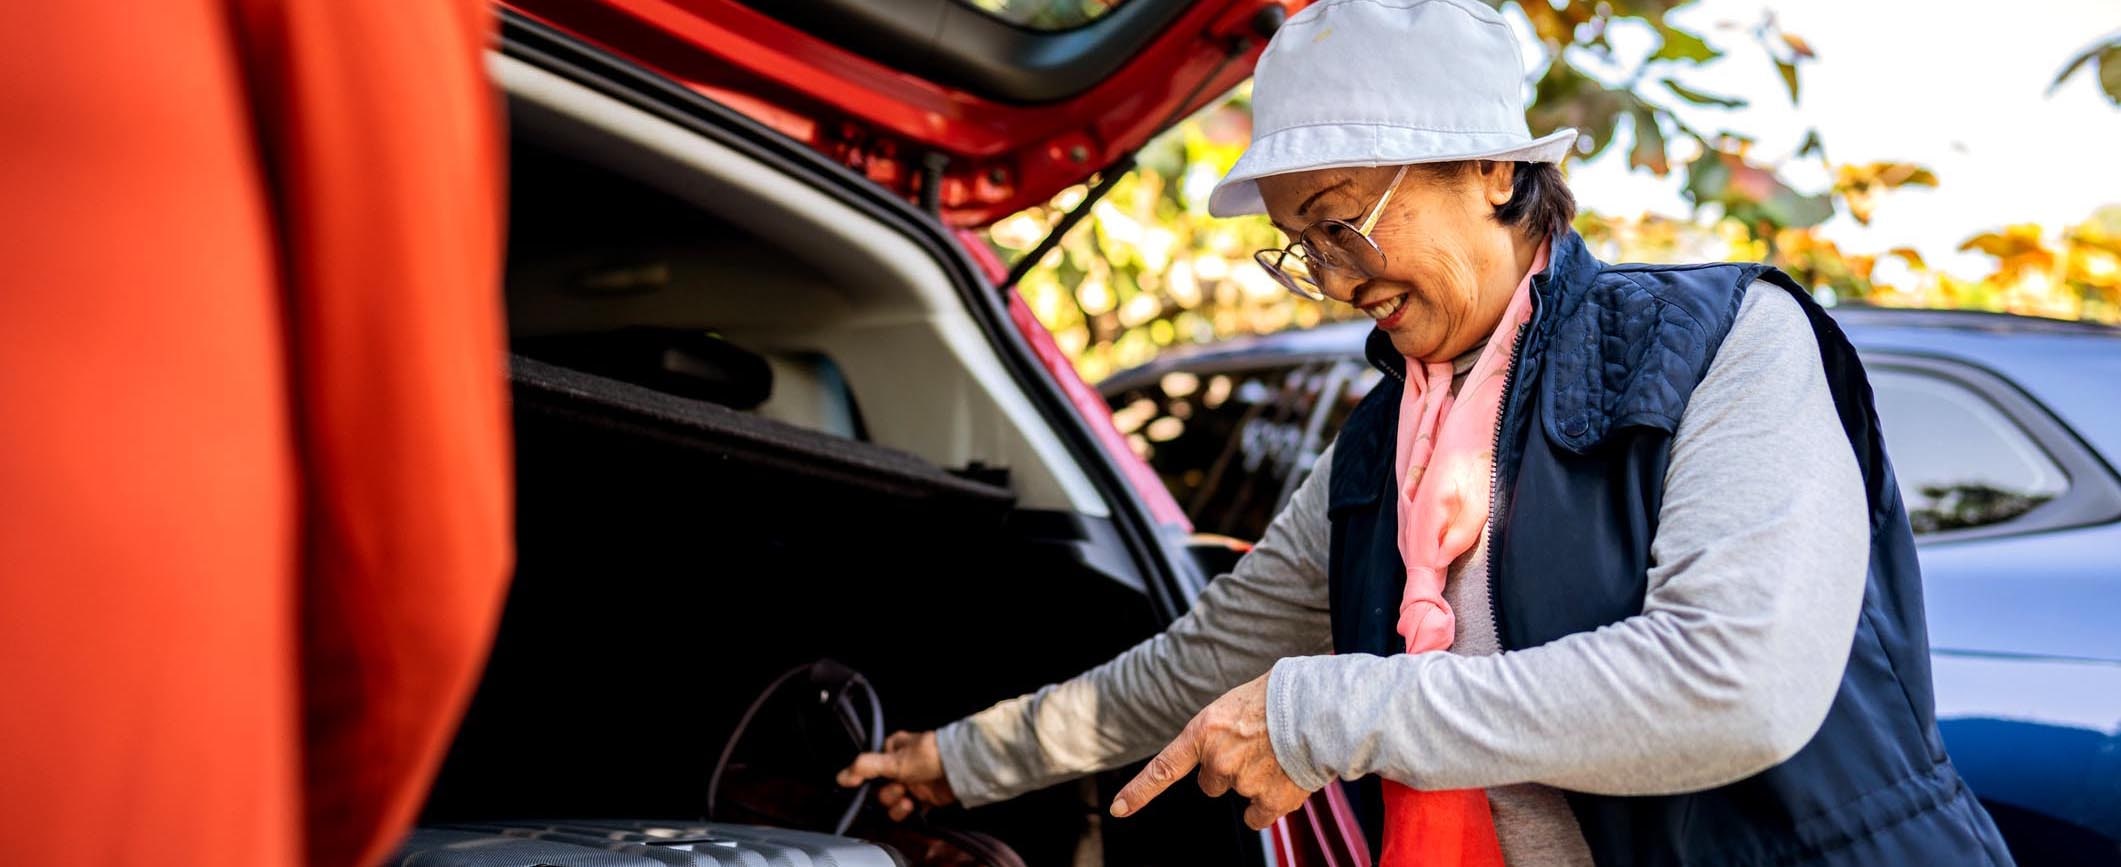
<point x="1961" y="462"/>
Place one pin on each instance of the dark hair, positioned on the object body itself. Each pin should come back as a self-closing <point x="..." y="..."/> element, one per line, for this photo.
<point x="1540" y="202"/>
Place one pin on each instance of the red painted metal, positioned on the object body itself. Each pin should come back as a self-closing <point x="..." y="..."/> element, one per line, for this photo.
<point x="879" y="121"/>
<point x="982" y="255"/>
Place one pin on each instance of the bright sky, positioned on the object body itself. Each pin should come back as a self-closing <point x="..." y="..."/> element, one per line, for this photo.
<point x="1962" y="92"/>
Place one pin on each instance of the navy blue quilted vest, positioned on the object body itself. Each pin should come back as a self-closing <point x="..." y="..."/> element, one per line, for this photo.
<point x="1604" y="371"/>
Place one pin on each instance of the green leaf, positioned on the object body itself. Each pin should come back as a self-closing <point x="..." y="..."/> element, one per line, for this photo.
<point x="2082" y="58"/>
<point x="1649" y="151"/>
<point x="1752" y="194"/>
<point x="1568" y="98"/>
<point x="1681" y="45"/>
<point x="2071" y="69"/>
<point x="1796" y="210"/>
<point x="1705" y="178"/>
<point x="1603" y="118"/>
<point x="1789" y="77"/>
<point x="1699" y="98"/>
<point x="1653" y="11"/>
<point x="1812" y="145"/>
<point x="2108" y="55"/>
<point x="2110" y="72"/>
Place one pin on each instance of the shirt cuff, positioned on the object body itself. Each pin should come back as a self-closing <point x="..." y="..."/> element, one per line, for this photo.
<point x="1292" y="691"/>
<point x="954" y="747"/>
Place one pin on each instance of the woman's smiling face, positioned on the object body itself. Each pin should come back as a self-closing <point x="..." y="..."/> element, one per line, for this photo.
<point x="1449" y="266"/>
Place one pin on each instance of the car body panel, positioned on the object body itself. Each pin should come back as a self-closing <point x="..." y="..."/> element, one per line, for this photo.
<point x="2039" y="594"/>
<point x="2039" y="734"/>
<point x="2051" y="362"/>
<point x="995" y="158"/>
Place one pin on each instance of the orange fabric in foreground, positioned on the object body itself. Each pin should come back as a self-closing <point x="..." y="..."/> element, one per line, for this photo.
<point x="254" y="473"/>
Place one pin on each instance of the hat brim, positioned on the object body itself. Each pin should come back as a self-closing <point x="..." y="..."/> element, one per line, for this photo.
<point x="1310" y="148"/>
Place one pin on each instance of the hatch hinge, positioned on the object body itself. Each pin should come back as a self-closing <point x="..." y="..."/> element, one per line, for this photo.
<point x="932" y="165"/>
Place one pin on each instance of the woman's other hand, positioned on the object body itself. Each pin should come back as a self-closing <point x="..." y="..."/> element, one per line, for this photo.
<point x="912" y="770"/>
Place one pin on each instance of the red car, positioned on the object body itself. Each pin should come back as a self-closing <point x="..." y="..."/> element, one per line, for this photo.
<point x="775" y="403"/>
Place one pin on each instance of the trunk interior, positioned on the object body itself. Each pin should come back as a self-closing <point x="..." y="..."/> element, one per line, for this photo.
<point x="700" y="508"/>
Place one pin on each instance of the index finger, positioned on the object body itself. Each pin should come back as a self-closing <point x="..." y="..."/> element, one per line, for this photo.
<point x="1174" y="762"/>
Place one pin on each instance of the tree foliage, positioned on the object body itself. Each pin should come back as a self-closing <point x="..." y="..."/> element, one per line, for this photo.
<point x="1150" y="269"/>
<point x="2105" y="57"/>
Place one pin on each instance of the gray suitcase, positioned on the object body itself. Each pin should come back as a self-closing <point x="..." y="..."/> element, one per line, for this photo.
<point x="618" y="843"/>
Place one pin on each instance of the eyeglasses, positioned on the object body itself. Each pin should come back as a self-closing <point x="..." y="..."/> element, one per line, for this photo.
<point x="1329" y="245"/>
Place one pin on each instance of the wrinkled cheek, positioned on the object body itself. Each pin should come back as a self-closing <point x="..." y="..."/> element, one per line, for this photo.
<point x="1431" y="295"/>
<point x="1447" y="290"/>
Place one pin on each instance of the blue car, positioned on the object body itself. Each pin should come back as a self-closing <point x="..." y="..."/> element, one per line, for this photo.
<point x="2005" y="432"/>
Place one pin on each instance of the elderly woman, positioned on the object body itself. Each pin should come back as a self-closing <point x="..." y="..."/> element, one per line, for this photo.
<point x="1611" y="567"/>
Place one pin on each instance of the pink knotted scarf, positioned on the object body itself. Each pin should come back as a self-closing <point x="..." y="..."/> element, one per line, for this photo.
<point x="1445" y="459"/>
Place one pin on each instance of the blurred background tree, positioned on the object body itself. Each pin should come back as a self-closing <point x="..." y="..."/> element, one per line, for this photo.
<point x="2104" y="57"/>
<point x="1150" y="269"/>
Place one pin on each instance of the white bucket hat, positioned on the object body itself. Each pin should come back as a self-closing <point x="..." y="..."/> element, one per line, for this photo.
<point x="1385" y="83"/>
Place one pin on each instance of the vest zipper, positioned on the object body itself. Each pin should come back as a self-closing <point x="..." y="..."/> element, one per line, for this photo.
<point x="1495" y="499"/>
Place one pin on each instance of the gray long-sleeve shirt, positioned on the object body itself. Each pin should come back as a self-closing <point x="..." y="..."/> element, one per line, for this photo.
<point x="1757" y="577"/>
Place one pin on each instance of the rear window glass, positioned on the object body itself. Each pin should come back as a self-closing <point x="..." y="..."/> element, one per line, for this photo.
<point x="1961" y="462"/>
<point x="1046" y="14"/>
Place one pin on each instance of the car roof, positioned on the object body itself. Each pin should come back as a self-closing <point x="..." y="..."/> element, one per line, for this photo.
<point x="2074" y="368"/>
<point x="2071" y="367"/>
